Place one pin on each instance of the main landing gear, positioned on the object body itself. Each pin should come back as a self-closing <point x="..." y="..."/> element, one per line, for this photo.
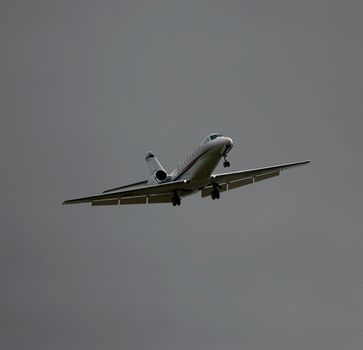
<point x="215" y="193"/>
<point x="226" y="163"/>
<point x="175" y="200"/>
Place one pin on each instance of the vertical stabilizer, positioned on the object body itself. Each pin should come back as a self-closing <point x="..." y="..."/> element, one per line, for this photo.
<point x="158" y="174"/>
<point x="152" y="163"/>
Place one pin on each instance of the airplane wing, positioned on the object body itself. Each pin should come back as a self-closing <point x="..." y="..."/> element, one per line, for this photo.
<point x="146" y="194"/>
<point x="144" y="182"/>
<point x="229" y="181"/>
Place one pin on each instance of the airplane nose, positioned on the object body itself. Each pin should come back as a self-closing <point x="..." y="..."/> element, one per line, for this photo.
<point x="228" y="144"/>
<point x="229" y="141"/>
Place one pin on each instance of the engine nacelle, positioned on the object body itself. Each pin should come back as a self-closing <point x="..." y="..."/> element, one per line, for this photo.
<point x="160" y="175"/>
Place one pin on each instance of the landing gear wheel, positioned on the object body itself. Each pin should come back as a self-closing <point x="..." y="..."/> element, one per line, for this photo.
<point x="176" y="201"/>
<point x="215" y="194"/>
<point x="226" y="163"/>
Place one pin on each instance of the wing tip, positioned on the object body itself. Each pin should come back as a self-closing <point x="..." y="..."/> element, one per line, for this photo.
<point x="296" y="164"/>
<point x="76" y="201"/>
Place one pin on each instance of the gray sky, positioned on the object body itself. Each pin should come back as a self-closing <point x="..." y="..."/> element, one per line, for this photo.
<point x="87" y="88"/>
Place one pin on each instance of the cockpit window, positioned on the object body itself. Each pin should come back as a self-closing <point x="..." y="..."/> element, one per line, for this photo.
<point x="211" y="137"/>
<point x="214" y="136"/>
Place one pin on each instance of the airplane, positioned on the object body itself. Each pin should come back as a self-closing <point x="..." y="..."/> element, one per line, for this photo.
<point x="191" y="176"/>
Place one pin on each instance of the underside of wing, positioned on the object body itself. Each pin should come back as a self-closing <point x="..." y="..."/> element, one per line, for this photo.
<point x="149" y="199"/>
<point x="232" y="180"/>
<point x="161" y="193"/>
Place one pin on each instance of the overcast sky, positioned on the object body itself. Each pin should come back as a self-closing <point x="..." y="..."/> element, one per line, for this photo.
<point x="88" y="87"/>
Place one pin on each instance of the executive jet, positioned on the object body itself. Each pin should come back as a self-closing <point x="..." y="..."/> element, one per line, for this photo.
<point x="193" y="175"/>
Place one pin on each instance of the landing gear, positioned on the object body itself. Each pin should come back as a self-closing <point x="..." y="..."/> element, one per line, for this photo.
<point x="226" y="163"/>
<point x="215" y="194"/>
<point x="175" y="200"/>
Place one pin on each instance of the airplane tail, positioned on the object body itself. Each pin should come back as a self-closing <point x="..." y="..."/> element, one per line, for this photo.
<point x="158" y="173"/>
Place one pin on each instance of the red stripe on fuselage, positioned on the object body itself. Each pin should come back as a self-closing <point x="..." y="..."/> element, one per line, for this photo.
<point x="190" y="165"/>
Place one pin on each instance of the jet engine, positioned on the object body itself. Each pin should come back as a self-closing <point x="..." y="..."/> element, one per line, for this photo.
<point x="160" y="175"/>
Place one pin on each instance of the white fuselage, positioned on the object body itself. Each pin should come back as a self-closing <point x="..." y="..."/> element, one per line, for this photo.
<point x="198" y="167"/>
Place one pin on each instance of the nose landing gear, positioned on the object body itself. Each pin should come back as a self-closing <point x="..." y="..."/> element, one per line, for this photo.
<point x="226" y="163"/>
